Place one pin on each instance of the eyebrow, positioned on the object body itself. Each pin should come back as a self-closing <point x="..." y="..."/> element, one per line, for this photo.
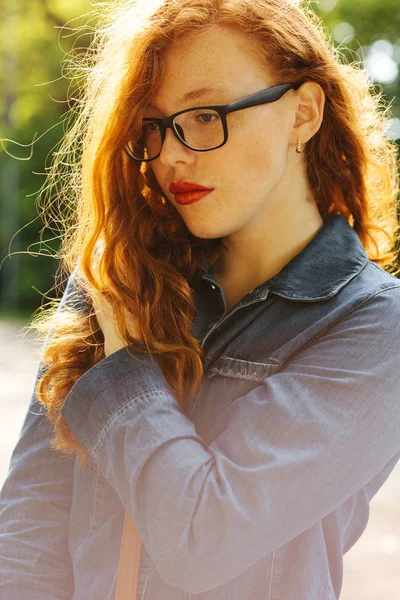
<point x="193" y="95"/>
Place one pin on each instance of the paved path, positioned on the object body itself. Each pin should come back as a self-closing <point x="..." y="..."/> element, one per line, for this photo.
<point x="372" y="567"/>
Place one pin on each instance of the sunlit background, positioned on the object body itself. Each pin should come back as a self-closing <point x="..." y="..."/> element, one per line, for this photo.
<point x="34" y="96"/>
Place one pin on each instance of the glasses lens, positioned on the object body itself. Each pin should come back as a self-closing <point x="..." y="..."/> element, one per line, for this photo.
<point x="201" y="129"/>
<point x="148" y="144"/>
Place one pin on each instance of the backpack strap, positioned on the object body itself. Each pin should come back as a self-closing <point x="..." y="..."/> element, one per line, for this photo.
<point x="129" y="562"/>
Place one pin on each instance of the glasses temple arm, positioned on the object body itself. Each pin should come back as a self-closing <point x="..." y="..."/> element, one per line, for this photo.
<point x="263" y="97"/>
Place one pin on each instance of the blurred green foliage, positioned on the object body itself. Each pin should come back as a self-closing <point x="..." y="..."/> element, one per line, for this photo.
<point x="371" y="21"/>
<point x="33" y="100"/>
<point x="33" y="97"/>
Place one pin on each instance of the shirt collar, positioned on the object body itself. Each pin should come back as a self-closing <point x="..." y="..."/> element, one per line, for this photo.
<point x="332" y="258"/>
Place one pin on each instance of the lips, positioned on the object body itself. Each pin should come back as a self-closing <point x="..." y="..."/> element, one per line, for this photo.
<point x="183" y="187"/>
<point x="191" y="197"/>
<point x="188" y="192"/>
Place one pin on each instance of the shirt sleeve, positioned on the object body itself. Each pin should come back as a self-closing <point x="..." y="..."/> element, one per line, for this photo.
<point x="35" y="503"/>
<point x="286" y="454"/>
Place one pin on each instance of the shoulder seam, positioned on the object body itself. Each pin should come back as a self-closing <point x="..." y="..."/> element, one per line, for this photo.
<point x="363" y="302"/>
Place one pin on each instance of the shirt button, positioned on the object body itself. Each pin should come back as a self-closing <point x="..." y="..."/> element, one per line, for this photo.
<point x="213" y="286"/>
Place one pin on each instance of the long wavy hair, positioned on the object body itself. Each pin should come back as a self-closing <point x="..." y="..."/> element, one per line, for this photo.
<point x="150" y="262"/>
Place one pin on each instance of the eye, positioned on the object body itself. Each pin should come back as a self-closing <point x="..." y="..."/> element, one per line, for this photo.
<point x="207" y="117"/>
<point x="149" y="127"/>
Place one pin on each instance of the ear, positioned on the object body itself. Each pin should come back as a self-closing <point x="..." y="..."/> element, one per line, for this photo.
<point x="309" y="111"/>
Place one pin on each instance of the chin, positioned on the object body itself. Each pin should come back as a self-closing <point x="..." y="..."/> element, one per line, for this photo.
<point x="206" y="231"/>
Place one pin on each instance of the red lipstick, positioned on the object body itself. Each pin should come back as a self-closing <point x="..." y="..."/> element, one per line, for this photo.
<point x="187" y="192"/>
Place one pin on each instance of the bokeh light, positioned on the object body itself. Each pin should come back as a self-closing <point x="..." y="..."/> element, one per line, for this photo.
<point x="343" y="32"/>
<point x="327" y="5"/>
<point x="381" y="63"/>
<point x="394" y="131"/>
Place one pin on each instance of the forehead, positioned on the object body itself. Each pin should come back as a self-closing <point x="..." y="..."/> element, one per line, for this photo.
<point x="218" y="59"/>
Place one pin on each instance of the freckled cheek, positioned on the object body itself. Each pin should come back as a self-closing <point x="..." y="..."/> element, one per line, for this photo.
<point x="252" y="164"/>
<point x="256" y="146"/>
<point x="267" y="155"/>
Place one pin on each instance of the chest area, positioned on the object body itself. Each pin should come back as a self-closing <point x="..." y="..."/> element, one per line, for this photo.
<point x="247" y="345"/>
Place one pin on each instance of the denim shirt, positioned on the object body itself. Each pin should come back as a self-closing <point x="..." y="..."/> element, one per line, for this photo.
<point x="258" y="489"/>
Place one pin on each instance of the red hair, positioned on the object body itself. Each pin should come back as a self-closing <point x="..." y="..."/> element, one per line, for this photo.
<point x="150" y="261"/>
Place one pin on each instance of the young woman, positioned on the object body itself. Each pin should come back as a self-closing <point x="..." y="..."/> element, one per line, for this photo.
<point x="225" y="362"/>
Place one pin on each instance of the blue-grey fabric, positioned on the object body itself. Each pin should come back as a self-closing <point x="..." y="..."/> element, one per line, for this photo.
<point x="260" y="487"/>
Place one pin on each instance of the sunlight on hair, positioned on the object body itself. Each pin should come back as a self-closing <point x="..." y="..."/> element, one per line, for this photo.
<point x="150" y="260"/>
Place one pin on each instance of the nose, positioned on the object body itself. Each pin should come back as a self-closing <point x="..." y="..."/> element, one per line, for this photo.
<point x="174" y="151"/>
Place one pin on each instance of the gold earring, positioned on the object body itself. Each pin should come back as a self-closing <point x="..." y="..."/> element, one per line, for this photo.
<point x="298" y="147"/>
<point x="163" y="200"/>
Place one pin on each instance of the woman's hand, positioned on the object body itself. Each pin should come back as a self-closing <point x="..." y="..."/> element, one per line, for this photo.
<point x="107" y="321"/>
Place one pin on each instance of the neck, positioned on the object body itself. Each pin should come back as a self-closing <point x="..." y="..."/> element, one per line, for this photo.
<point x="261" y="249"/>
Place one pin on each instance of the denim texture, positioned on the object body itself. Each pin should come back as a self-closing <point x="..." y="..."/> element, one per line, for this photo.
<point x="258" y="490"/>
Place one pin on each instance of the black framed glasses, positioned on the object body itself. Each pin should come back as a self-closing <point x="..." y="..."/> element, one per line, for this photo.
<point x="202" y="128"/>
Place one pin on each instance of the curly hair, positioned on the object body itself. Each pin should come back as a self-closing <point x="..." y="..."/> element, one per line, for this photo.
<point x="150" y="262"/>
